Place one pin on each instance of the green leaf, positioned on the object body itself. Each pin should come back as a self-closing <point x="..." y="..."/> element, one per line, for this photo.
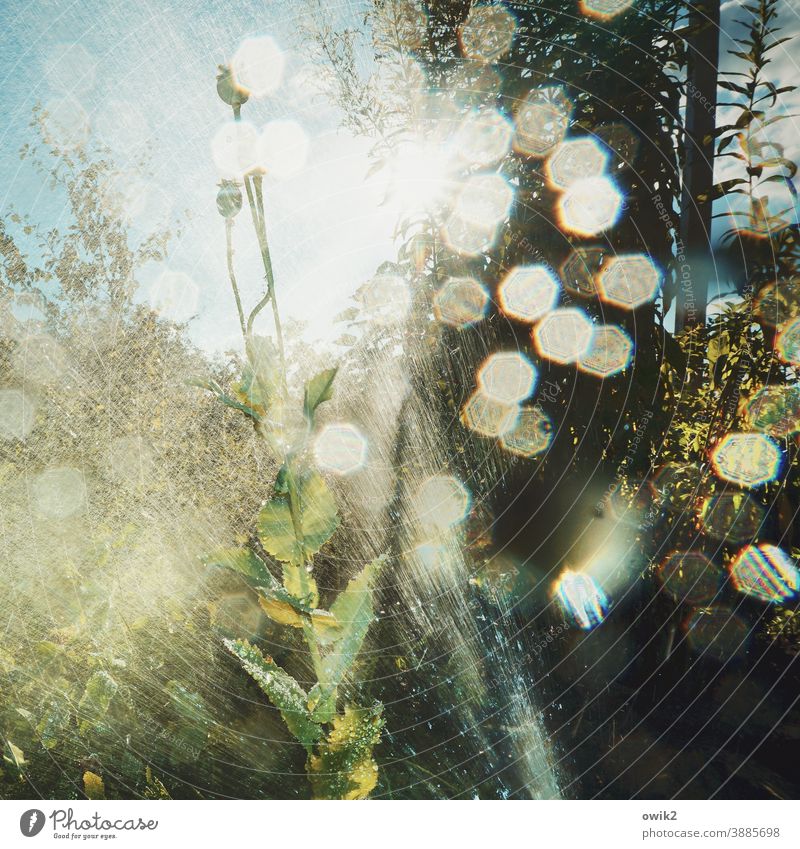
<point x="316" y="522"/>
<point x="244" y="561"/>
<point x="93" y="706"/>
<point x="353" y="610"/>
<point x="52" y="725"/>
<point x="15" y="756"/>
<point x="344" y="767"/>
<point x="190" y="706"/>
<point x="249" y="391"/>
<point x="318" y="389"/>
<point x="281" y="689"/>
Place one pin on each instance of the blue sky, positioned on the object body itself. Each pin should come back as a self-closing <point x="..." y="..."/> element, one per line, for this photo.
<point x="144" y="74"/>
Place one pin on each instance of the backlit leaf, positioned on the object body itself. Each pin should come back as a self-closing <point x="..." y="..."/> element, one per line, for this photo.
<point x="318" y="390"/>
<point x="316" y="522"/>
<point x="353" y="610"/>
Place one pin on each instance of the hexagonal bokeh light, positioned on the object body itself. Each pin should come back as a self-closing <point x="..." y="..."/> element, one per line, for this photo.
<point x="581" y="597"/>
<point x="778" y="302"/>
<point x="528" y="292"/>
<point x="774" y="409"/>
<point x="17" y="414"/>
<point x="717" y="633"/>
<point x="564" y="335"/>
<point x="604" y="10"/>
<point x="58" y="492"/>
<point x="474" y="81"/>
<point x="580" y="269"/>
<point x="468" y="237"/>
<point x="442" y="501"/>
<point x="746" y="459"/>
<point x="65" y="123"/>
<point x="340" y="448"/>
<point x="235" y="149"/>
<point x="508" y="377"/>
<point x="542" y="121"/>
<point x="484" y="199"/>
<point x="589" y="206"/>
<point x="611" y="352"/>
<point x="484" y="137"/>
<point x="628" y="281"/>
<point x="386" y="299"/>
<point x="283" y="148"/>
<point x="765" y="572"/>
<point x="731" y="516"/>
<point x="531" y="435"/>
<point x="690" y="577"/>
<point x="487" y="33"/>
<point x="787" y="345"/>
<point x="487" y="416"/>
<point x="462" y="301"/>
<point x="258" y="66"/>
<point x="575" y="159"/>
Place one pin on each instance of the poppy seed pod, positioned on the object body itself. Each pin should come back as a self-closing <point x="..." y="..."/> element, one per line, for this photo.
<point x="227" y="88"/>
<point x="229" y="199"/>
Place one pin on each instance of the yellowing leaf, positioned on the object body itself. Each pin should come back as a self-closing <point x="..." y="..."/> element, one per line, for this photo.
<point x="93" y="785"/>
<point x="15" y="757"/>
<point x="718" y="347"/>
<point x="325" y="624"/>
<point x="293" y="582"/>
<point x="343" y="766"/>
<point x="281" y="612"/>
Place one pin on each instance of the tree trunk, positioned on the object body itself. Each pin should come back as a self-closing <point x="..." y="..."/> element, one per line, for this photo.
<point x="698" y="174"/>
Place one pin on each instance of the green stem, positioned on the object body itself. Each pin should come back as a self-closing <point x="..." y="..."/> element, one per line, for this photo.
<point x="257" y="214"/>
<point x="305" y="588"/>
<point x="232" y="275"/>
<point x="259" y="225"/>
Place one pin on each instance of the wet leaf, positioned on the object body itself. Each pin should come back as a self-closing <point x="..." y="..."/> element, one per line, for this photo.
<point x="353" y="610"/>
<point x="325" y="625"/>
<point x="281" y="689"/>
<point x="343" y="767"/>
<point x="293" y="582"/>
<point x="241" y="560"/>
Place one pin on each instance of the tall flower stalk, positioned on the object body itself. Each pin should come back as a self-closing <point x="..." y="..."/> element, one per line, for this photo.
<point x="292" y="526"/>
